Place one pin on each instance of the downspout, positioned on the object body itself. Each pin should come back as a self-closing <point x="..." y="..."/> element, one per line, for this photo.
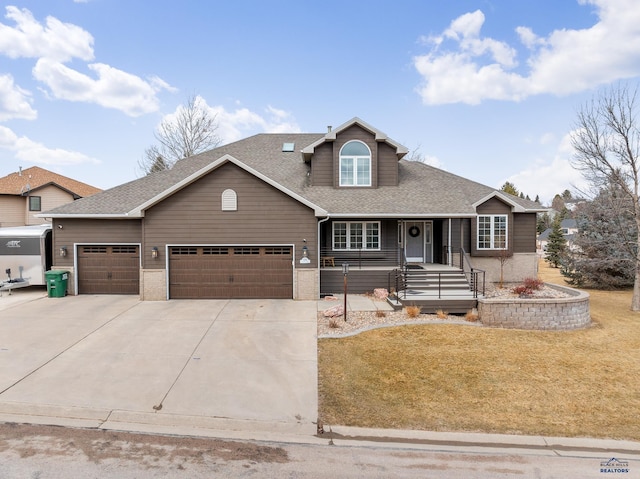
<point x="319" y="251"/>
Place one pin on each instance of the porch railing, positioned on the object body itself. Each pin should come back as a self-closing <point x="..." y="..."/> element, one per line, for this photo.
<point x="357" y="258"/>
<point x="440" y="282"/>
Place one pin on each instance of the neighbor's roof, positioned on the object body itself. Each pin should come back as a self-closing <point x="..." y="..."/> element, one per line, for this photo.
<point x="423" y="190"/>
<point x="24" y="181"/>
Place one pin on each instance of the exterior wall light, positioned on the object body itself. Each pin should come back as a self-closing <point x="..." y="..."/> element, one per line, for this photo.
<point x="305" y="254"/>
<point x="63" y="251"/>
<point x="154" y="252"/>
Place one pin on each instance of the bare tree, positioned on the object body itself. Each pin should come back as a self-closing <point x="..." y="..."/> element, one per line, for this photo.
<point x="189" y="131"/>
<point x="607" y="151"/>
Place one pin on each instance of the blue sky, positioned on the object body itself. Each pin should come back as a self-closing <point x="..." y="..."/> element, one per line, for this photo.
<point x="487" y="89"/>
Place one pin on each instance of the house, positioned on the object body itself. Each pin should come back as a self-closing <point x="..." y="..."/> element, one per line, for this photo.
<point x="26" y="193"/>
<point x="277" y="215"/>
<point x="569" y="229"/>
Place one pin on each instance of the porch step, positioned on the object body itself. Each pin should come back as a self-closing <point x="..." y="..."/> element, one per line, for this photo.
<point x="436" y="281"/>
<point x="433" y="305"/>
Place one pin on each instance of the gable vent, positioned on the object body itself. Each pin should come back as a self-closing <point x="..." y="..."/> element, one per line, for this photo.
<point x="288" y="146"/>
<point x="229" y="200"/>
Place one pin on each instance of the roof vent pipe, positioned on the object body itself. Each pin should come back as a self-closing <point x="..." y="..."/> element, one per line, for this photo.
<point x="19" y="170"/>
<point x="329" y="129"/>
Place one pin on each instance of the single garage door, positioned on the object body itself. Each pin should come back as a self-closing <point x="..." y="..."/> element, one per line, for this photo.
<point x="108" y="269"/>
<point x="213" y="272"/>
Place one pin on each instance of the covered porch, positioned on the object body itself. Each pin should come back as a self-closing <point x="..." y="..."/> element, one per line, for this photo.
<point x="419" y="261"/>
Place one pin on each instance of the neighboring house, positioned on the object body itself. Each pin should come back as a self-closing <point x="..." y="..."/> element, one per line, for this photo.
<point x="569" y="229"/>
<point x="27" y="193"/>
<point x="276" y="215"/>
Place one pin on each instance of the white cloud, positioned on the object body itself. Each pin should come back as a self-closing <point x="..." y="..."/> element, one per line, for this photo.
<point x="30" y="39"/>
<point x="14" y="101"/>
<point x="33" y="152"/>
<point x="566" y="61"/>
<point x="547" y="179"/>
<point x="56" y="43"/>
<point x="112" y="88"/>
<point x="242" y="122"/>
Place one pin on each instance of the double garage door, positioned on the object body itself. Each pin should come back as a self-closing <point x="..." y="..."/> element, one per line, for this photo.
<point x="228" y="272"/>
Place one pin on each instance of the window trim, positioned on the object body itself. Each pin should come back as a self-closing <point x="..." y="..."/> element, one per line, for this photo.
<point x="354" y="168"/>
<point x="492" y="233"/>
<point x="39" y="208"/>
<point x="363" y="231"/>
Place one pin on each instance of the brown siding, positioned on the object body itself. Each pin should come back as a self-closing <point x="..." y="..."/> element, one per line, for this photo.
<point x="91" y="231"/>
<point x="493" y="206"/>
<point x="387" y="165"/>
<point x="325" y="164"/>
<point x="524" y="233"/>
<point x="194" y="215"/>
<point x="358" y="281"/>
<point x="322" y="165"/>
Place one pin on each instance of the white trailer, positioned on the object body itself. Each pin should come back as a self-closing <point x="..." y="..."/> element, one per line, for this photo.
<point x="25" y="255"/>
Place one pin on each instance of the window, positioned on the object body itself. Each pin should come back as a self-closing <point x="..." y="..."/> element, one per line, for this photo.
<point x="356" y="235"/>
<point x="492" y="232"/>
<point x="355" y="164"/>
<point x="35" y="203"/>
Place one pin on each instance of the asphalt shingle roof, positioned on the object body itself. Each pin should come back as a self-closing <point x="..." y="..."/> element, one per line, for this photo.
<point x="422" y="190"/>
<point x="35" y="177"/>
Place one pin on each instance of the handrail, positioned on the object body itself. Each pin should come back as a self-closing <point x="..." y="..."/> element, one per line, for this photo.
<point x="400" y="279"/>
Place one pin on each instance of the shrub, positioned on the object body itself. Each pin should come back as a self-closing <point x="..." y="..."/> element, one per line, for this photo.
<point x="412" y="311"/>
<point x="442" y="314"/>
<point x="523" y="291"/>
<point x="533" y="283"/>
<point x="380" y="314"/>
<point x="334" y="323"/>
<point x="472" y="315"/>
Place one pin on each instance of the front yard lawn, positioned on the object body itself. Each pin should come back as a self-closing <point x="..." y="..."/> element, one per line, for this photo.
<point x="441" y="377"/>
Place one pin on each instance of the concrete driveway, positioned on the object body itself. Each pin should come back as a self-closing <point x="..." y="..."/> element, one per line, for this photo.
<point x="203" y="363"/>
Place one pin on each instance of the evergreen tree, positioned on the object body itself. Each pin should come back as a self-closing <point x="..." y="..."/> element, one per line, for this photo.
<point x="556" y="244"/>
<point x="604" y="249"/>
<point x="510" y="188"/>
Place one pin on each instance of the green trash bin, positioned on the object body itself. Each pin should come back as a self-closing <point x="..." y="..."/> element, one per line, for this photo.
<point x="56" y="283"/>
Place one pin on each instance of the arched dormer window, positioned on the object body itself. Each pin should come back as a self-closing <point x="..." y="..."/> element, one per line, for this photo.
<point x="355" y="164"/>
<point x="229" y="200"/>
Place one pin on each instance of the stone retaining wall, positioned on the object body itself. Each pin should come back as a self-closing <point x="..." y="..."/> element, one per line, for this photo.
<point x="542" y="313"/>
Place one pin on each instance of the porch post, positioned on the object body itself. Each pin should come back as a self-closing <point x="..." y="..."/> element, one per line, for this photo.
<point x="449" y="254"/>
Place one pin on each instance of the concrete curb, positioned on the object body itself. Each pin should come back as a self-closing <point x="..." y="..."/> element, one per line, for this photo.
<point x="301" y="433"/>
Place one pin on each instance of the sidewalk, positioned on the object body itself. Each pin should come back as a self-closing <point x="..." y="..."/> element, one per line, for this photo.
<point x="355" y="302"/>
<point x="176" y="422"/>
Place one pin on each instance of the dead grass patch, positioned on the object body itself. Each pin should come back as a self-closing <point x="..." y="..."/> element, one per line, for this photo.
<point x="444" y="377"/>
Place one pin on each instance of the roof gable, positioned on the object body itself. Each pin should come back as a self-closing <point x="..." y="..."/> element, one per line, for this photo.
<point x="379" y="136"/>
<point x="23" y="182"/>
<point x="516" y="204"/>
<point x="139" y="211"/>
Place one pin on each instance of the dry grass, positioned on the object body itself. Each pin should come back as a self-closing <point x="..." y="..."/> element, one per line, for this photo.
<point x="412" y="311"/>
<point x="455" y="378"/>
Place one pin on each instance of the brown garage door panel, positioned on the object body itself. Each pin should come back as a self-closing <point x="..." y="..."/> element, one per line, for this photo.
<point x="108" y="270"/>
<point x="230" y="272"/>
